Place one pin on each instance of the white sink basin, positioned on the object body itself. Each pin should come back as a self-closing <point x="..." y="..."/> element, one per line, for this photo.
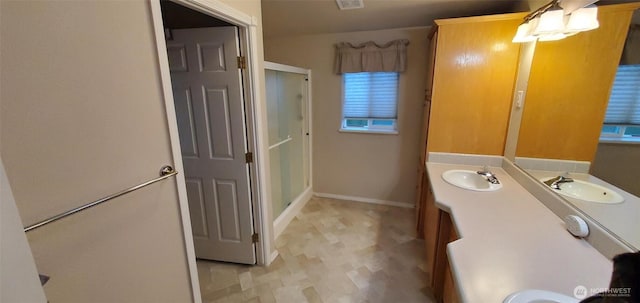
<point x="587" y="191"/>
<point x="538" y="296"/>
<point x="469" y="179"/>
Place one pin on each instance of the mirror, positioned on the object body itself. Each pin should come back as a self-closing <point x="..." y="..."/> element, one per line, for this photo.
<point x="558" y="129"/>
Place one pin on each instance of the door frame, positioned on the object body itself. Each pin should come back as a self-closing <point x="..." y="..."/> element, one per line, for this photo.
<point x="255" y="114"/>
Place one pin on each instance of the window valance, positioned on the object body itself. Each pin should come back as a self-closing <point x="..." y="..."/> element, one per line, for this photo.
<point x="371" y="57"/>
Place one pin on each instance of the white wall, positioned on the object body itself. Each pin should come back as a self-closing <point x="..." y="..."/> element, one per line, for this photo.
<point x="373" y="166"/>
<point x="82" y="116"/>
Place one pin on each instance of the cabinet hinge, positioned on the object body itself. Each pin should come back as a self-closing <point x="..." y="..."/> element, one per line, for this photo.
<point x="242" y="62"/>
<point x="255" y="238"/>
<point x="248" y="157"/>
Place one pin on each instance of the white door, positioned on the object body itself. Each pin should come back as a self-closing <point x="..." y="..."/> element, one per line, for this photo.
<point x="207" y="90"/>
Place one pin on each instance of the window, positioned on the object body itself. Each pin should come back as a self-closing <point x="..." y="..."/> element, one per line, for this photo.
<point x="622" y="121"/>
<point x="370" y="102"/>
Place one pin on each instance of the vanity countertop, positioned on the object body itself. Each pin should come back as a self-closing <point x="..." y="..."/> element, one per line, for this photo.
<point x="509" y="241"/>
<point x="623" y="219"/>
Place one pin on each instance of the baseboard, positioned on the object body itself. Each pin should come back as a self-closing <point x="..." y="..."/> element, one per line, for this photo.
<point x="273" y="256"/>
<point x="280" y="223"/>
<point x="365" y="200"/>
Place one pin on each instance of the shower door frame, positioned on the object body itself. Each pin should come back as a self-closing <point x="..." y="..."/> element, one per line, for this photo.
<point x="280" y="222"/>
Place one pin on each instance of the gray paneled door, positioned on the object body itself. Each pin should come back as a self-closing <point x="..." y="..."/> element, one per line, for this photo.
<point x="207" y="90"/>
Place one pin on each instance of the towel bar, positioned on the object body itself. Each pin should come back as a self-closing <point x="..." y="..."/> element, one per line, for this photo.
<point x="165" y="172"/>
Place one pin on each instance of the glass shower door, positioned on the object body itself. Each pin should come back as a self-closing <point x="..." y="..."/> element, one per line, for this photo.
<point x="288" y="140"/>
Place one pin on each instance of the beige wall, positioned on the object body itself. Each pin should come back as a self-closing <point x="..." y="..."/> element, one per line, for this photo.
<point x="618" y="164"/>
<point x="82" y="117"/>
<point x="372" y="166"/>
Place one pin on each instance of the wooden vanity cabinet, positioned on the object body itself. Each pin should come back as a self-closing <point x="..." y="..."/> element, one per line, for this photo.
<point x="431" y="232"/>
<point x="438" y="231"/>
<point x="447" y="235"/>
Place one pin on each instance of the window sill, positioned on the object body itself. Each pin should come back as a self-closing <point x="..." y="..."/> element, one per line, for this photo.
<point x="616" y="140"/>
<point x="369" y="131"/>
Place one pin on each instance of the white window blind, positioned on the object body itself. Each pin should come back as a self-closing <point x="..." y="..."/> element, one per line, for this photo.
<point x="370" y="95"/>
<point x="624" y="103"/>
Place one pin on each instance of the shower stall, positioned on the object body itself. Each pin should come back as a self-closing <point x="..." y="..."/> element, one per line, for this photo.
<point x="288" y="119"/>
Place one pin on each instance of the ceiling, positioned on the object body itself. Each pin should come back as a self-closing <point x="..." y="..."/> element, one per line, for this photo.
<point x="296" y="17"/>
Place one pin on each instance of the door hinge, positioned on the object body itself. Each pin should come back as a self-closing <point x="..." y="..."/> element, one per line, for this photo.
<point x="242" y="62"/>
<point x="248" y="157"/>
<point x="255" y="238"/>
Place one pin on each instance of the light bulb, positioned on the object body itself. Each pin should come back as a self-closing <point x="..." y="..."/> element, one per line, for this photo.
<point x="551" y="22"/>
<point x="583" y="19"/>
<point x="552" y="37"/>
<point x="524" y="34"/>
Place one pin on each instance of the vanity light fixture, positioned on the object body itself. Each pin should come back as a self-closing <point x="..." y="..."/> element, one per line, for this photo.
<point x="551" y="22"/>
<point x="583" y="19"/>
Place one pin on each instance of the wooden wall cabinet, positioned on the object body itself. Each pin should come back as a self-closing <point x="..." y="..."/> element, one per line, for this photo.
<point x="470" y="77"/>
<point x="473" y="77"/>
<point x="422" y="177"/>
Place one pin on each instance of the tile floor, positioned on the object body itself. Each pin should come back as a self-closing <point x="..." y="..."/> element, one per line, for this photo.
<point x="333" y="251"/>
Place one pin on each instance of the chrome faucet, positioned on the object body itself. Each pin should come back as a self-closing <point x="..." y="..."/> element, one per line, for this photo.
<point x="555" y="182"/>
<point x="487" y="173"/>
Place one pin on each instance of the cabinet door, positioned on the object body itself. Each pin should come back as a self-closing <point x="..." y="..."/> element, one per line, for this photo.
<point x="431" y="227"/>
<point x="442" y="283"/>
<point x="473" y="82"/>
<point x="449" y="292"/>
<point x="421" y="203"/>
